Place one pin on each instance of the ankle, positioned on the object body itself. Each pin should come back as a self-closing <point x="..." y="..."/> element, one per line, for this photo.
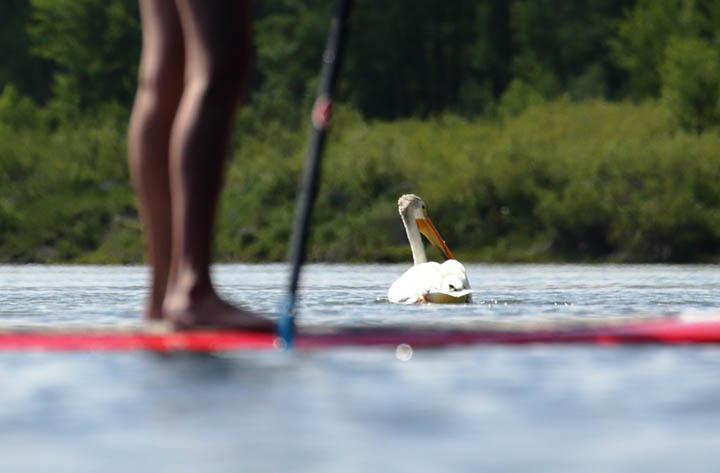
<point x="191" y="285"/>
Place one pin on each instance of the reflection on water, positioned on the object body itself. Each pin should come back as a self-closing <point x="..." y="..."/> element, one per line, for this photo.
<point x="535" y="408"/>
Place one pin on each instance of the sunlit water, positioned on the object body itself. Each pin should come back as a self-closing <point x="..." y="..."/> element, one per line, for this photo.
<point x="485" y="408"/>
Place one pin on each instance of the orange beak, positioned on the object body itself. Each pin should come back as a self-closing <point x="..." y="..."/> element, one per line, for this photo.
<point x="428" y="229"/>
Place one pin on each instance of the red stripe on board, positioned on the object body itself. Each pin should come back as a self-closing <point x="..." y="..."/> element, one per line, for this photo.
<point x="671" y="331"/>
<point x="196" y="341"/>
<point x="645" y="333"/>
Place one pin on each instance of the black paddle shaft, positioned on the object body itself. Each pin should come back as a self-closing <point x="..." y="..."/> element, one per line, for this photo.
<point x="320" y="115"/>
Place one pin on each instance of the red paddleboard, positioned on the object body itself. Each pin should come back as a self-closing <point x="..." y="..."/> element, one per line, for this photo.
<point x="666" y="330"/>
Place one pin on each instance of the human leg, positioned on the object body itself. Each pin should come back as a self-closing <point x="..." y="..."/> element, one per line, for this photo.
<point x="217" y="42"/>
<point x="160" y="83"/>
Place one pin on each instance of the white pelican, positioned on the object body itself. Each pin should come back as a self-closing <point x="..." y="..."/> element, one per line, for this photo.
<point x="427" y="281"/>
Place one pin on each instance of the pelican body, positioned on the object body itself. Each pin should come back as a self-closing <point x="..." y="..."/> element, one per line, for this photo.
<point x="427" y="281"/>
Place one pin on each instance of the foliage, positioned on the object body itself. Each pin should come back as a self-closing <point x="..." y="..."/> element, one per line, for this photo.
<point x="691" y="83"/>
<point x="406" y="58"/>
<point x="26" y="73"/>
<point x="563" y="46"/>
<point x="518" y="97"/>
<point x="563" y="181"/>
<point x="496" y="112"/>
<point x="18" y="112"/>
<point x="63" y="192"/>
<point x="589" y="181"/>
<point x="289" y="36"/>
<point x="95" y="45"/>
<point x="644" y="34"/>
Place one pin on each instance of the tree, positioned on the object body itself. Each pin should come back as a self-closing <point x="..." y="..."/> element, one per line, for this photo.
<point x="410" y="58"/>
<point x="562" y="46"/>
<point x="289" y="40"/>
<point x="691" y="83"/>
<point x="96" y="47"/>
<point x="30" y="75"/>
<point x="643" y="36"/>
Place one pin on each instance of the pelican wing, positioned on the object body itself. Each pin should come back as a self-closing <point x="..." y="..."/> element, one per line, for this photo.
<point x="431" y="282"/>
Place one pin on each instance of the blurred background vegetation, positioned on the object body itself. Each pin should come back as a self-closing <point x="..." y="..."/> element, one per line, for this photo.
<point x="535" y="130"/>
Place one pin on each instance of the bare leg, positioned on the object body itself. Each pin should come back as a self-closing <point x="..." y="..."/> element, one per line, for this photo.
<point x="158" y="95"/>
<point x="217" y="41"/>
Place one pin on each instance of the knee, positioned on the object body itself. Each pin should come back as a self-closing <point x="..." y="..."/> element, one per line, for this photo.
<point x="161" y="81"/>
<point x="223" y="78"/>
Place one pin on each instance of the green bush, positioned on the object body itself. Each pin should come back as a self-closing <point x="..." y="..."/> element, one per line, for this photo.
<point x="562" y="181"/>
<point x="518" y="97"/>
<point x="62" y="190"/>
<point x="18" y="112"/>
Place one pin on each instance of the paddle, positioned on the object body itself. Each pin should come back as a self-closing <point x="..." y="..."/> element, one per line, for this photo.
<point x="308" y="187"/>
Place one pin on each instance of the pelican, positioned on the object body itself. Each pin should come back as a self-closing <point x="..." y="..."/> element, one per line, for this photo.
<point x="427" y="281"/>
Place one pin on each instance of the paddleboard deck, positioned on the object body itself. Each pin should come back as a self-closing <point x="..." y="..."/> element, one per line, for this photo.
<point x="661" y="330"/>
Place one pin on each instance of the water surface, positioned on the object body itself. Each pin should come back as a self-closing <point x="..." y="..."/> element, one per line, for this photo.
<point x="493" y="408"/>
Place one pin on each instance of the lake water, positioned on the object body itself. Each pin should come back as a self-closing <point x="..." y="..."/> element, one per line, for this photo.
<point x="470" y="409"/>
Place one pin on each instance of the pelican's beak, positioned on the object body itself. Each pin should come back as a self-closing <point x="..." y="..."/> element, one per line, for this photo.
<point x="428" y="229"/>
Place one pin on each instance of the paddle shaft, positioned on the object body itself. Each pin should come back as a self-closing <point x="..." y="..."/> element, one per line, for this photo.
<point x="308" y="188"/>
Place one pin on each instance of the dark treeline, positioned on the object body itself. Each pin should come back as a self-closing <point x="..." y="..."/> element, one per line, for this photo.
<point x="405" y="57"/>
<point x="421" y="78"/>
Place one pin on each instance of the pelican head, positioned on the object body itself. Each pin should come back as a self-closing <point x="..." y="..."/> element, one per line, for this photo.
<point x="415" y="218"/>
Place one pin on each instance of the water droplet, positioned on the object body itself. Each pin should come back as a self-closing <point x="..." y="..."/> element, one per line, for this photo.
<point x="279" y="343"/>
<point x="404" y="352"/>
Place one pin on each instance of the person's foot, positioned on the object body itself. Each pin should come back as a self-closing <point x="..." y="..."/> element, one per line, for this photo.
<point x="153" y="312"/>
<point x="209" y="311"/>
